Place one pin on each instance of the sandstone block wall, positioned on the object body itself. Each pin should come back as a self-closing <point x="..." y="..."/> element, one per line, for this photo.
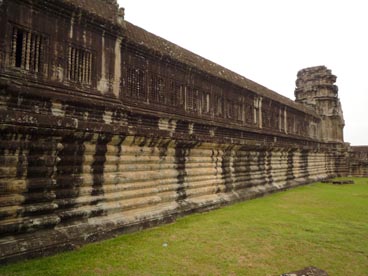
<point x="106" y="128"/>
<point x="315" y="87"/>
<point x="65" y="183"/>
<point x="359" y="161"/>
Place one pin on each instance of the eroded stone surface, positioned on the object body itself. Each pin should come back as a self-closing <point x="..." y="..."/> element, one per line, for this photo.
<point x="342" y="182"/>
<point x="316" y="87"/>
<point x="359" y="161"/>
<point x="106" y="128"/>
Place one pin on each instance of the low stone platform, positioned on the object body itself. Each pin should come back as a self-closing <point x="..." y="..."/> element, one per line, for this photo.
<point x="341" y="182"/>
<point x="338" y="182"/>
<point x="308" y="271"/>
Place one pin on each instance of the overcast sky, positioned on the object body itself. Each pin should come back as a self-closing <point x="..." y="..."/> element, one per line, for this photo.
<point x="268" y="41"/>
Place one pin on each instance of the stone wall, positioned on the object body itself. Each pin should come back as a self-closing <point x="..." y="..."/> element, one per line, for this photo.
<point x="106" y="128"/>
<point x="66" y="181"/>
<point x="315" y="87"/>
<point x="359" y="161"/>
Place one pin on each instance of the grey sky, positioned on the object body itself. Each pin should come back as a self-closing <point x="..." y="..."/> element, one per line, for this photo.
<point x="268" y="41"/>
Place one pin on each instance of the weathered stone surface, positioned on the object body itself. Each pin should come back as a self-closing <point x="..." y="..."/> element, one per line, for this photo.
<point x="316" y="87"/>
<point x="359" y="161"/>
<point x="106" y="128"/>
<point x="341" y="182"/>
<point x="338" y="182"/>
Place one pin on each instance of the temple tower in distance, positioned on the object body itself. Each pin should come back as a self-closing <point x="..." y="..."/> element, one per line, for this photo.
<point x="315" y="87"/>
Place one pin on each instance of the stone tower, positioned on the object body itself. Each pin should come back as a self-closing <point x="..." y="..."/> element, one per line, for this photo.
<point x="315" y="87"/>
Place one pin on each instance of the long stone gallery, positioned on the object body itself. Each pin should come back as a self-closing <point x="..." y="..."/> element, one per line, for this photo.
<point x="107" y="128"/>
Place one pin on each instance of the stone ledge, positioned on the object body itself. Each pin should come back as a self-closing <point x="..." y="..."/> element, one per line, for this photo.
<point x="338" y="182"/>
<point x="341" y="182"/>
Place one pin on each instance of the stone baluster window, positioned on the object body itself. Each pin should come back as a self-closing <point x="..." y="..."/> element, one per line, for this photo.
<point x="157" y="87"/>
<point x="219" y="105"/>
<point x="229" y="109"/>
<point x="274" y="119"/>
<point x="26" y="50"/>
<point x="79" y="65"/>
<point x="248" y="112"/>
<point x="239" y="110"/>
<point x="176" y="95"/>
<point x="136" y="83"/>
<point x="281" y="120"/>
<point x="257" y="108"/>
<point x="191" y="99"/>
<point x="290" y="123"/>
<point x="205" y="102"/>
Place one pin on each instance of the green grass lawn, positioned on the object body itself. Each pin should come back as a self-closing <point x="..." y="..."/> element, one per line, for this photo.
<point x="320" y="225"/>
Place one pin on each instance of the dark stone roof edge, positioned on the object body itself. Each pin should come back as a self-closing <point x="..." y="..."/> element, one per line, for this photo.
<point x="107" y="22"/>
<point x="164" y="47"/>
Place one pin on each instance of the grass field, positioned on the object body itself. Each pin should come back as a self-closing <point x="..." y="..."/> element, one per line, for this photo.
<point x="320" y="225"/>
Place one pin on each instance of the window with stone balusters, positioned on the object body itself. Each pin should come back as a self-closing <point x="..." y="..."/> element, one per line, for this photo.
<point x="136" y="83"/>
<point x="27" y="50"/>
<point x="157" y="89"/>
<point x="191" y="99"/>
<point x="175" y="94"/>
<point x="79" y="65"/>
